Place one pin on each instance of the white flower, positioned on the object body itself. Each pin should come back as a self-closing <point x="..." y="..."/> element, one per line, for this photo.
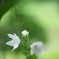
<point x="14" y="42"/>
<point x="25" y="33"/>
<point x="37" y="48"/>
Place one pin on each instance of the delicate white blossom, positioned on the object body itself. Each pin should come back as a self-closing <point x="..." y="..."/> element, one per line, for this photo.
<point x="14" y="42"/>
<point x="37" y="48"/>
<point x="25" y="33"/>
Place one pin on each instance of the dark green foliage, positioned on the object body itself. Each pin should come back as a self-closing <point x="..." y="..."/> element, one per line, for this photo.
<point x="6" y="5"/>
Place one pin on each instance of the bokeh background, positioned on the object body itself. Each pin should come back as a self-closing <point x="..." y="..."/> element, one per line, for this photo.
<point x="39" y="17"/>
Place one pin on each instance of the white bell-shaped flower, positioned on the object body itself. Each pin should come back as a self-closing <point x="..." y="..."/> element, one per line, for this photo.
<point x="14" y="42"/>
<point x="25" y="33"/>
<point x="37" y="48"/>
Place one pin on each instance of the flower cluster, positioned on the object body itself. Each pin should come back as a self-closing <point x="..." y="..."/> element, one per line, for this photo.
<point x="34" y="48"/>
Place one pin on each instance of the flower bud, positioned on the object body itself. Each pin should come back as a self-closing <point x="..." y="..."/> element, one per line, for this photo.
<point x="25" y="33"/>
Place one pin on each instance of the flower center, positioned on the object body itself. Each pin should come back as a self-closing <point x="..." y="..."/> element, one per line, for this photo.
<point x="35" y="46"/>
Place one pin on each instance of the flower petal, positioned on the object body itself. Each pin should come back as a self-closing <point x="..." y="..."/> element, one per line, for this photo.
<point x="43" y="48"/>
<point x="36" y="43"/>
<point x="15" y="42"/>
<point x="38" y="53"/>
<point x="13" y="36"/>
<point x="37" y="48"/>
<point x="11" y="43"/>
<point x="15" y="47"/>
<point x="32" y="51"/>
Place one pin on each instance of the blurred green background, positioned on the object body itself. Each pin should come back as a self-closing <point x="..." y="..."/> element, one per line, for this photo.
<point x="39" y="17"/>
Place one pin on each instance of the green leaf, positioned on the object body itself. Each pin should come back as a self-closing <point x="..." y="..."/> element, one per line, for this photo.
<point x="6" y="5"/>
<point x="29" y="57"/>
<point x="4" y="8"/>
<point x="25" y="53"/>
<point x="32" y="57"/>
